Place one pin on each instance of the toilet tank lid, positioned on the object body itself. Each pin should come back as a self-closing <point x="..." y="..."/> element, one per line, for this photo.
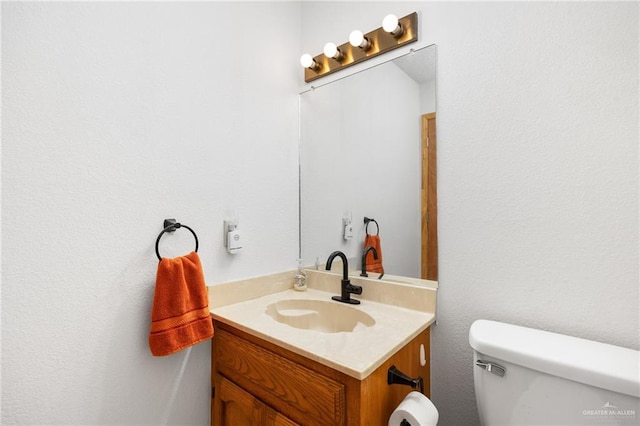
<point x="593" y="363"/>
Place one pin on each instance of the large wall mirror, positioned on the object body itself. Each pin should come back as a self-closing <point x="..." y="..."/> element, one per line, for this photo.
<point x="362" y="154"/>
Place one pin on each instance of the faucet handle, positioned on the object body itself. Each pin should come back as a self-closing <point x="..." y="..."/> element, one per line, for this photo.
<point x="353" y="289"/>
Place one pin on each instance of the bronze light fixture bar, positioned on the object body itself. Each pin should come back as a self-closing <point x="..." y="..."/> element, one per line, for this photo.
<point x="362" y="47"/>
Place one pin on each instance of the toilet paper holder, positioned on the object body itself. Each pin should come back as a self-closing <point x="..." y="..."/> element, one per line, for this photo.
<point x="395" y="376"/>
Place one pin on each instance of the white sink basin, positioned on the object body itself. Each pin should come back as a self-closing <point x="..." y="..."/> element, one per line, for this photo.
<point x="319" y="315"/>
<point x="334" y="334"/>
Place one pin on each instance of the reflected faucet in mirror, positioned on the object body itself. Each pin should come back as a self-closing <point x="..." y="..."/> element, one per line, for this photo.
<point x="363" y="264"/>
<point x="346" y="288"/>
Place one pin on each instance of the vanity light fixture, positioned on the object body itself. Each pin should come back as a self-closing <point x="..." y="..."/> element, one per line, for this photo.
<point x="331" y="51"/>
<point x="394" y="33"/>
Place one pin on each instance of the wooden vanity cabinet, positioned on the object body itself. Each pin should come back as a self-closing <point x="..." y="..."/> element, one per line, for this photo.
<point x="258" y="383"/>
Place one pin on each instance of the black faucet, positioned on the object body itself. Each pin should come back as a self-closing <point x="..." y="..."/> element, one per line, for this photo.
<point x="367" y="249"/>
<point x="346" y="287"/>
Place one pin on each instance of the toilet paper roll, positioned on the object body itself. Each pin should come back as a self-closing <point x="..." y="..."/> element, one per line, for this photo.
<point x="416" y="409"/>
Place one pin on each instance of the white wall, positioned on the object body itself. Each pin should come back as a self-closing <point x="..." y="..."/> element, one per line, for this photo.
<point x="537" y="112"/>
<point x="116" y="116"/>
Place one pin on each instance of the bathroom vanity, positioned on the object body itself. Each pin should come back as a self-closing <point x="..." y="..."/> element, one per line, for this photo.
<point x="286" y="358"/>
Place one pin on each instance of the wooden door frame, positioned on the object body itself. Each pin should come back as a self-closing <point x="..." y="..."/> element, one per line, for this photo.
<point x="429" y="203"/>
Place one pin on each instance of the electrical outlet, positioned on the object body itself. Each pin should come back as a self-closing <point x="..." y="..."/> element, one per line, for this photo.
<point x="229" y="225"/>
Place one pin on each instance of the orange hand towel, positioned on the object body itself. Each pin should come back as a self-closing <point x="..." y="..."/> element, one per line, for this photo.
<point x="180" y="314"/>
<point x="374" y="265"/>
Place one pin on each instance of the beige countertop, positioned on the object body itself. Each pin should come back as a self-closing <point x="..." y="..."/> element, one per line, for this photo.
<point x="357" y="353"/>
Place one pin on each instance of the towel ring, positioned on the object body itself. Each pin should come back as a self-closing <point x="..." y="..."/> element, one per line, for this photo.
<point x="170" y="228"/>
<point x="366" y="227"/>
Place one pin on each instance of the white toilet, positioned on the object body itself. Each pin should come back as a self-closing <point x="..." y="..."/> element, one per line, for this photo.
<point x="524" y="376"/>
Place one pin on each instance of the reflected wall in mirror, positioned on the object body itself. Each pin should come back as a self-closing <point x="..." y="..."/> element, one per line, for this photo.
<point x="361" y="156"/>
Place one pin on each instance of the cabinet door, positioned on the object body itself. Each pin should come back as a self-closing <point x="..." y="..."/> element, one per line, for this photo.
<point x="236" y="407"/>
<point x="276" y="419"/>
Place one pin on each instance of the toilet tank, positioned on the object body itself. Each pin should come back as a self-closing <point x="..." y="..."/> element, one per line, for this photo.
<point x="524" y="376"/>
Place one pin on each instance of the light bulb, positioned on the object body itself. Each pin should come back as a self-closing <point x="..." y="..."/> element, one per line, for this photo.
<point x="307" y="61"/>
<point x="357" y="39"/>
<point x="390" y="24"/>
<point x="332" y="51"/>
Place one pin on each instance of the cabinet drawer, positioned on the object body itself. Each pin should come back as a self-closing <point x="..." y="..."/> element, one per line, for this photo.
<point x="299" y="393"/>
